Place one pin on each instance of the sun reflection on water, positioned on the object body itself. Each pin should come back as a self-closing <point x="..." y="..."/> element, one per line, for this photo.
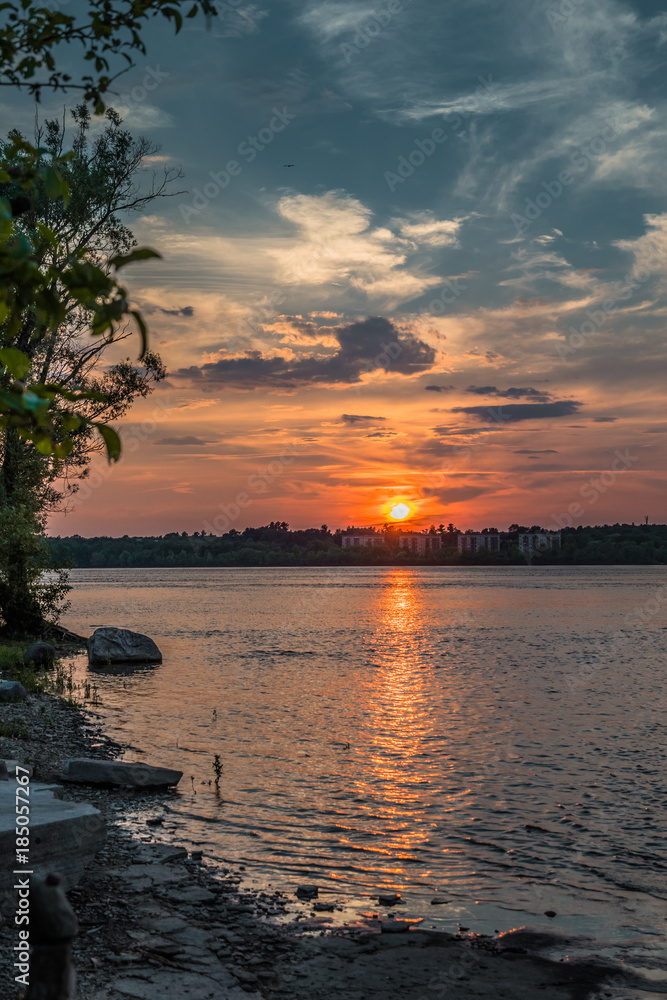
<point x="397" y="782"/>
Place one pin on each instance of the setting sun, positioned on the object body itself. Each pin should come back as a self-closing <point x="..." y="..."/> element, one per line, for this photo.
<point x="399" y="511"/>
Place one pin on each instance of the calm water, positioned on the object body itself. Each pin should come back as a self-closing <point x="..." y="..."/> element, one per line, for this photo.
<point x="495" y="735"/>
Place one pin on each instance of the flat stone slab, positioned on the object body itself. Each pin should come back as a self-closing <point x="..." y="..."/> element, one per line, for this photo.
<point x="64" y="836"/>
<point x="85" y="771"/>
<point x="173" y="985"/>
<point x="11" y="766"/>
<point x="120" y="645"/>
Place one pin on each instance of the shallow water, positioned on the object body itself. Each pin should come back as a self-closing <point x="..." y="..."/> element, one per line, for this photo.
<point x="493" y="735"/>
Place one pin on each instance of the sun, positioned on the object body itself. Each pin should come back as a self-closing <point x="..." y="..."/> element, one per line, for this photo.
<point x="399" y="511"/>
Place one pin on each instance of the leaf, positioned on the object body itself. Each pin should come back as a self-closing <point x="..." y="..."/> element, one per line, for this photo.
<point x="16" y="362"/>
<point x="143" y="331"/>
<point x="143" y="253"/>
<point x="111" y="440"/>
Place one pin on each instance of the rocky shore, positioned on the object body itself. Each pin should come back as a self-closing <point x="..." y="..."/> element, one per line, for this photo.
<point x="159" y="922"/>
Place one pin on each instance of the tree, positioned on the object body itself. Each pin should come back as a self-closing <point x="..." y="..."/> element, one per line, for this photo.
<point x="107" y="178"/>
<point x="32" y="37"/>
<point x="38" y="299"/>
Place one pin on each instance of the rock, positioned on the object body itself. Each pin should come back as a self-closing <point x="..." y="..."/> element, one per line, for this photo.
<point x="52" y="917"/>
<point x="85" y="771"/>
<point x="120" y="645"/>
<point x="438" y="901"/>
<point x="156" y="854"/>
<point x="391" y="900"/>
<point x="395" y="926"/>
<point x="307" y="891"/>
<point x="11" y="766"/>
<point x="64" y="836"/>
<point x="550" y="913"/>
<point x="12" y="691"/>
<point x="40" y="654"/>
<point x="4" y="773"/>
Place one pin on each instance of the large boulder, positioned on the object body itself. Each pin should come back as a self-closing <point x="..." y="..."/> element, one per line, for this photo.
<point x="40" y="654"/>
<point x="85" y="771"/>
<point x="119" y="645"/>
<point x="12" y="691"/>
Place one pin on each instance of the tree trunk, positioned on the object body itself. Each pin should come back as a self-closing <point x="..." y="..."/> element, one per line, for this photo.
<point x="18" y="605"/>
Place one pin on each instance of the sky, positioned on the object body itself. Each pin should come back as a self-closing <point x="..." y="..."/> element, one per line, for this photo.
<point x="419" y="253"/>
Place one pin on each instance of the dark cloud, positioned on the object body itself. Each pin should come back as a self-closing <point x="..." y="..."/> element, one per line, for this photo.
<point x="513" y="412"/>
<point x="543" y="451"/>
<point x="526" y="392"/>
<point x="464" y="432"/>
<point x="357" y="418"/>
<point x="370" y="344"/>
<point x="438" y="388"/>
<point x="382" y="434"/>
<point x="185" y="311"/>
<point x="188" y="439"/>
<point x="604" y="420"/>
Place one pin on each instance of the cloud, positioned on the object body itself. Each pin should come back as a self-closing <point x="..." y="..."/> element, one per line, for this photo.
<point x="185" y="311"/>
<point x="187" y="439"/>
<point x="424" y="229"/>
<point x="438" y="388"/>
<point x="368" y="345"/>
<point x="529" y="451"/>
<point x="513" y="412"/>
<point x="336" y="245"/>
<point x="356" y="418"/>
<point x="537" y="395"/>
<point x="605" y="420"/>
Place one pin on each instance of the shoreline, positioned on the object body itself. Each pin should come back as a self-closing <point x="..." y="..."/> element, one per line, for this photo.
<point x="158" y="920"/>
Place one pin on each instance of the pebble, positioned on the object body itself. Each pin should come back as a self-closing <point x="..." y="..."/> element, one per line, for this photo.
<point x="307" y="891"/>
<point x="390" y="900"/>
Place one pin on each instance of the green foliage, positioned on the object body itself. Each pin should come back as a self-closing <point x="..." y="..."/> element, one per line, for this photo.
<point x="15" y="729"/>
<point x="11" y="658"/>
<point x="31" y="35"/>
<point x="45" y="277"/>
<point x="28" y="597"/>
<point x="57" y="395"/>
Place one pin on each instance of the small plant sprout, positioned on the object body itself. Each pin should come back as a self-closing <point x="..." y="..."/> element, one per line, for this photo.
<point x="217" y="767"/>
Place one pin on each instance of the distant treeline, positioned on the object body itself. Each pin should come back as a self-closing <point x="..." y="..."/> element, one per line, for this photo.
<point x="276" y="545"/>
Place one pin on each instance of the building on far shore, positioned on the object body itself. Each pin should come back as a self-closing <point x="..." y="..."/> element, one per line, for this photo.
<point x="538" y="541"/>
<point x="362" y="538"/>
<point x="418" y="543"/>
<point x="477" y="542"/>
